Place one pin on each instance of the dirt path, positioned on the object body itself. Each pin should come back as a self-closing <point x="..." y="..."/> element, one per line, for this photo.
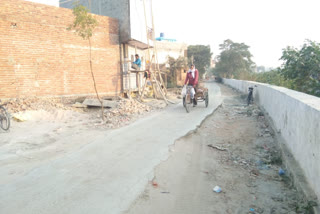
<point x="51" y="133"/>
<point x="233" y="149"/>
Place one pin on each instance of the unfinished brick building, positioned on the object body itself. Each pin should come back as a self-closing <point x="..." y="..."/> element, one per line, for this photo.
<point x="40" y="57"/>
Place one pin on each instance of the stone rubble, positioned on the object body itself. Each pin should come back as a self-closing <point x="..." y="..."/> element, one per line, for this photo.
<point x="127" y="109"/>
<point x="25" y="104"/>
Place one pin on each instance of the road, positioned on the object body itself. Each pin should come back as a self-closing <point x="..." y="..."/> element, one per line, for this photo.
<point x="108" y="174"/>
<point x="234" y="149"/>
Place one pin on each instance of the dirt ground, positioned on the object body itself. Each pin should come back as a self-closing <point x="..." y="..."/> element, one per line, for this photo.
<point x="234" y="149"/>
<point x="53" y="128"/>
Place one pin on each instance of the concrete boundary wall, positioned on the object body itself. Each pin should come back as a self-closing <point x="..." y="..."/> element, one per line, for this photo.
<point x="297" y="117"/>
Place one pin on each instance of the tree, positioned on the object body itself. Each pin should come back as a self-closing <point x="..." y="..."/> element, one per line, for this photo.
<point x="272" y="77"/>
<point x="201" y="55"/>
<point x="175" y="64"/>
<point x="234" y="60"/>
<point x="84" y="25"/>
<point x="302" y="67"/>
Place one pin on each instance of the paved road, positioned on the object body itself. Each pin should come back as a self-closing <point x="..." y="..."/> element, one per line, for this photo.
<point x="107" y="175"/>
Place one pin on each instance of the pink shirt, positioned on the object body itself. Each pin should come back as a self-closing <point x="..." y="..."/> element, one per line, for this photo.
<point x="191" y="80"/>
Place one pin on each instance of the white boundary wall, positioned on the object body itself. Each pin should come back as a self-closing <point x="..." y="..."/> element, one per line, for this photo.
<point x="297" y="116"/>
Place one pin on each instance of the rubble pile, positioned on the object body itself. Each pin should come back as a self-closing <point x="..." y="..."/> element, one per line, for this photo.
<point x="24" y="104"/>
<point x="125" y="112"/>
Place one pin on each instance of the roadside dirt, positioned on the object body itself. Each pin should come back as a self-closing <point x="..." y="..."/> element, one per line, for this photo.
<point x="233" y="149"/>
<point x="53" y="128"/>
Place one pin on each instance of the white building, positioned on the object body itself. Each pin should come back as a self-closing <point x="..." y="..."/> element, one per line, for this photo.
<point x="47" y="2"/>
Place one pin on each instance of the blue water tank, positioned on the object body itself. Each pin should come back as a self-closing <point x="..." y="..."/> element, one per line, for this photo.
<point x="161" y="34"/>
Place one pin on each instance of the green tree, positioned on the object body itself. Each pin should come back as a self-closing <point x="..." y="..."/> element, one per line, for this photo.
<point x="175" y="64"/>
<point x="84" y="25"/>
<point x="302" y="67"/>
<point x="201" y="57"/>
<point x="272" y="77"/>
<point x="234" y="60"/>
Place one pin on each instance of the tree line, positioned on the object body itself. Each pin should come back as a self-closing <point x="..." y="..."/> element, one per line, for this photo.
<point x="299" y="71"/>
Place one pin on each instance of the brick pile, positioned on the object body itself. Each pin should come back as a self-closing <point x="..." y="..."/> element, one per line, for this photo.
<point x="26" y="104"/>
<point x="127" y="110"/>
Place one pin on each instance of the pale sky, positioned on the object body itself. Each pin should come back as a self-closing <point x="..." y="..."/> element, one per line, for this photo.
<point x="267" y="26"/>
<point x="47" y="2"/>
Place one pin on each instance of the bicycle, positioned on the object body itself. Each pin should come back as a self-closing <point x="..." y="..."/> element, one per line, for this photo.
<point x="250" y="96"/>
<point x="201" y="95"/>
<point x="4" y="118"/>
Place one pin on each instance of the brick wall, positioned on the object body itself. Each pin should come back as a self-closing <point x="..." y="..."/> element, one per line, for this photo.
<point x="39" y="57"/>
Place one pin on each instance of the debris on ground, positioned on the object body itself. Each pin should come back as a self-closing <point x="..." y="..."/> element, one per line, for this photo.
<point x="281" y="172"/>
<point x="218" y="147"/>
<point x="126" y="110"/>
<point x="118" y="111"/>
<point x="96" y="103"/>
<point x="248" y="171"/>
<point x="25" y="104"/>
<point x="79" y="105"/>
<point x="261" y="158"/>
<point x="217" y="189"/>
<point x="20" y="117"/>
<point x="154" y="184"/>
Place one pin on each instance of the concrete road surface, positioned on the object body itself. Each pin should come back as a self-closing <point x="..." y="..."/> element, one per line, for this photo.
<point x="106" y="175"/>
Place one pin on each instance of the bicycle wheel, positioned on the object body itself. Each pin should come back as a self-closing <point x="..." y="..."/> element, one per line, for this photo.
<point x="4" y="119"/>
<point x="207" y="100"/>
<point x="188" y="103"/>
<point x="249" y="99"/>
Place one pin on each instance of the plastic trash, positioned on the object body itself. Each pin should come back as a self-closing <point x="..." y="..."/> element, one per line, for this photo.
<point x="217" y="189"/>
<point x="264" y="167"/>
<point x="252" y="210"/>
<point x="281" y="171"/>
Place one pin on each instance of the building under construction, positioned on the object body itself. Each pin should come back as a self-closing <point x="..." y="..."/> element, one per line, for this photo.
<point x="136" y="36"/>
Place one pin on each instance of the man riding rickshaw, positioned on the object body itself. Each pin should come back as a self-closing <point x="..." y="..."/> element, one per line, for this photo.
<point x="197" y="92"/>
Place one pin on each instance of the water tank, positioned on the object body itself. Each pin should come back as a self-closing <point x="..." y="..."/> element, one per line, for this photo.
<point x="161" y="34"/>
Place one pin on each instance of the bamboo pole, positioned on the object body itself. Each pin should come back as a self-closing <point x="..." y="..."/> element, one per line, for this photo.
<point x="156" y="51"/>
<point x="157" y="83"/>
<point x="145" y="84"/>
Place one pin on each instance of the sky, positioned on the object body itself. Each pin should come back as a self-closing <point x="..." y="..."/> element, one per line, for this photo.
<point x="267" y="26"/>
<point x="48" y="2"/>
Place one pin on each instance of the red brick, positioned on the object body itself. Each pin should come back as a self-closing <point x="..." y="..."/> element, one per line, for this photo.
<point x="40" y="50"/>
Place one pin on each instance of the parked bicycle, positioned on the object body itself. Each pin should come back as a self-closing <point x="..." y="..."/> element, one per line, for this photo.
<point x="250" y="96"/>
<point x="4" y="118"/>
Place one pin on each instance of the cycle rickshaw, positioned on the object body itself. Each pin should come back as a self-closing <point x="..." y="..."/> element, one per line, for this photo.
<point x="202" y="95"/>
